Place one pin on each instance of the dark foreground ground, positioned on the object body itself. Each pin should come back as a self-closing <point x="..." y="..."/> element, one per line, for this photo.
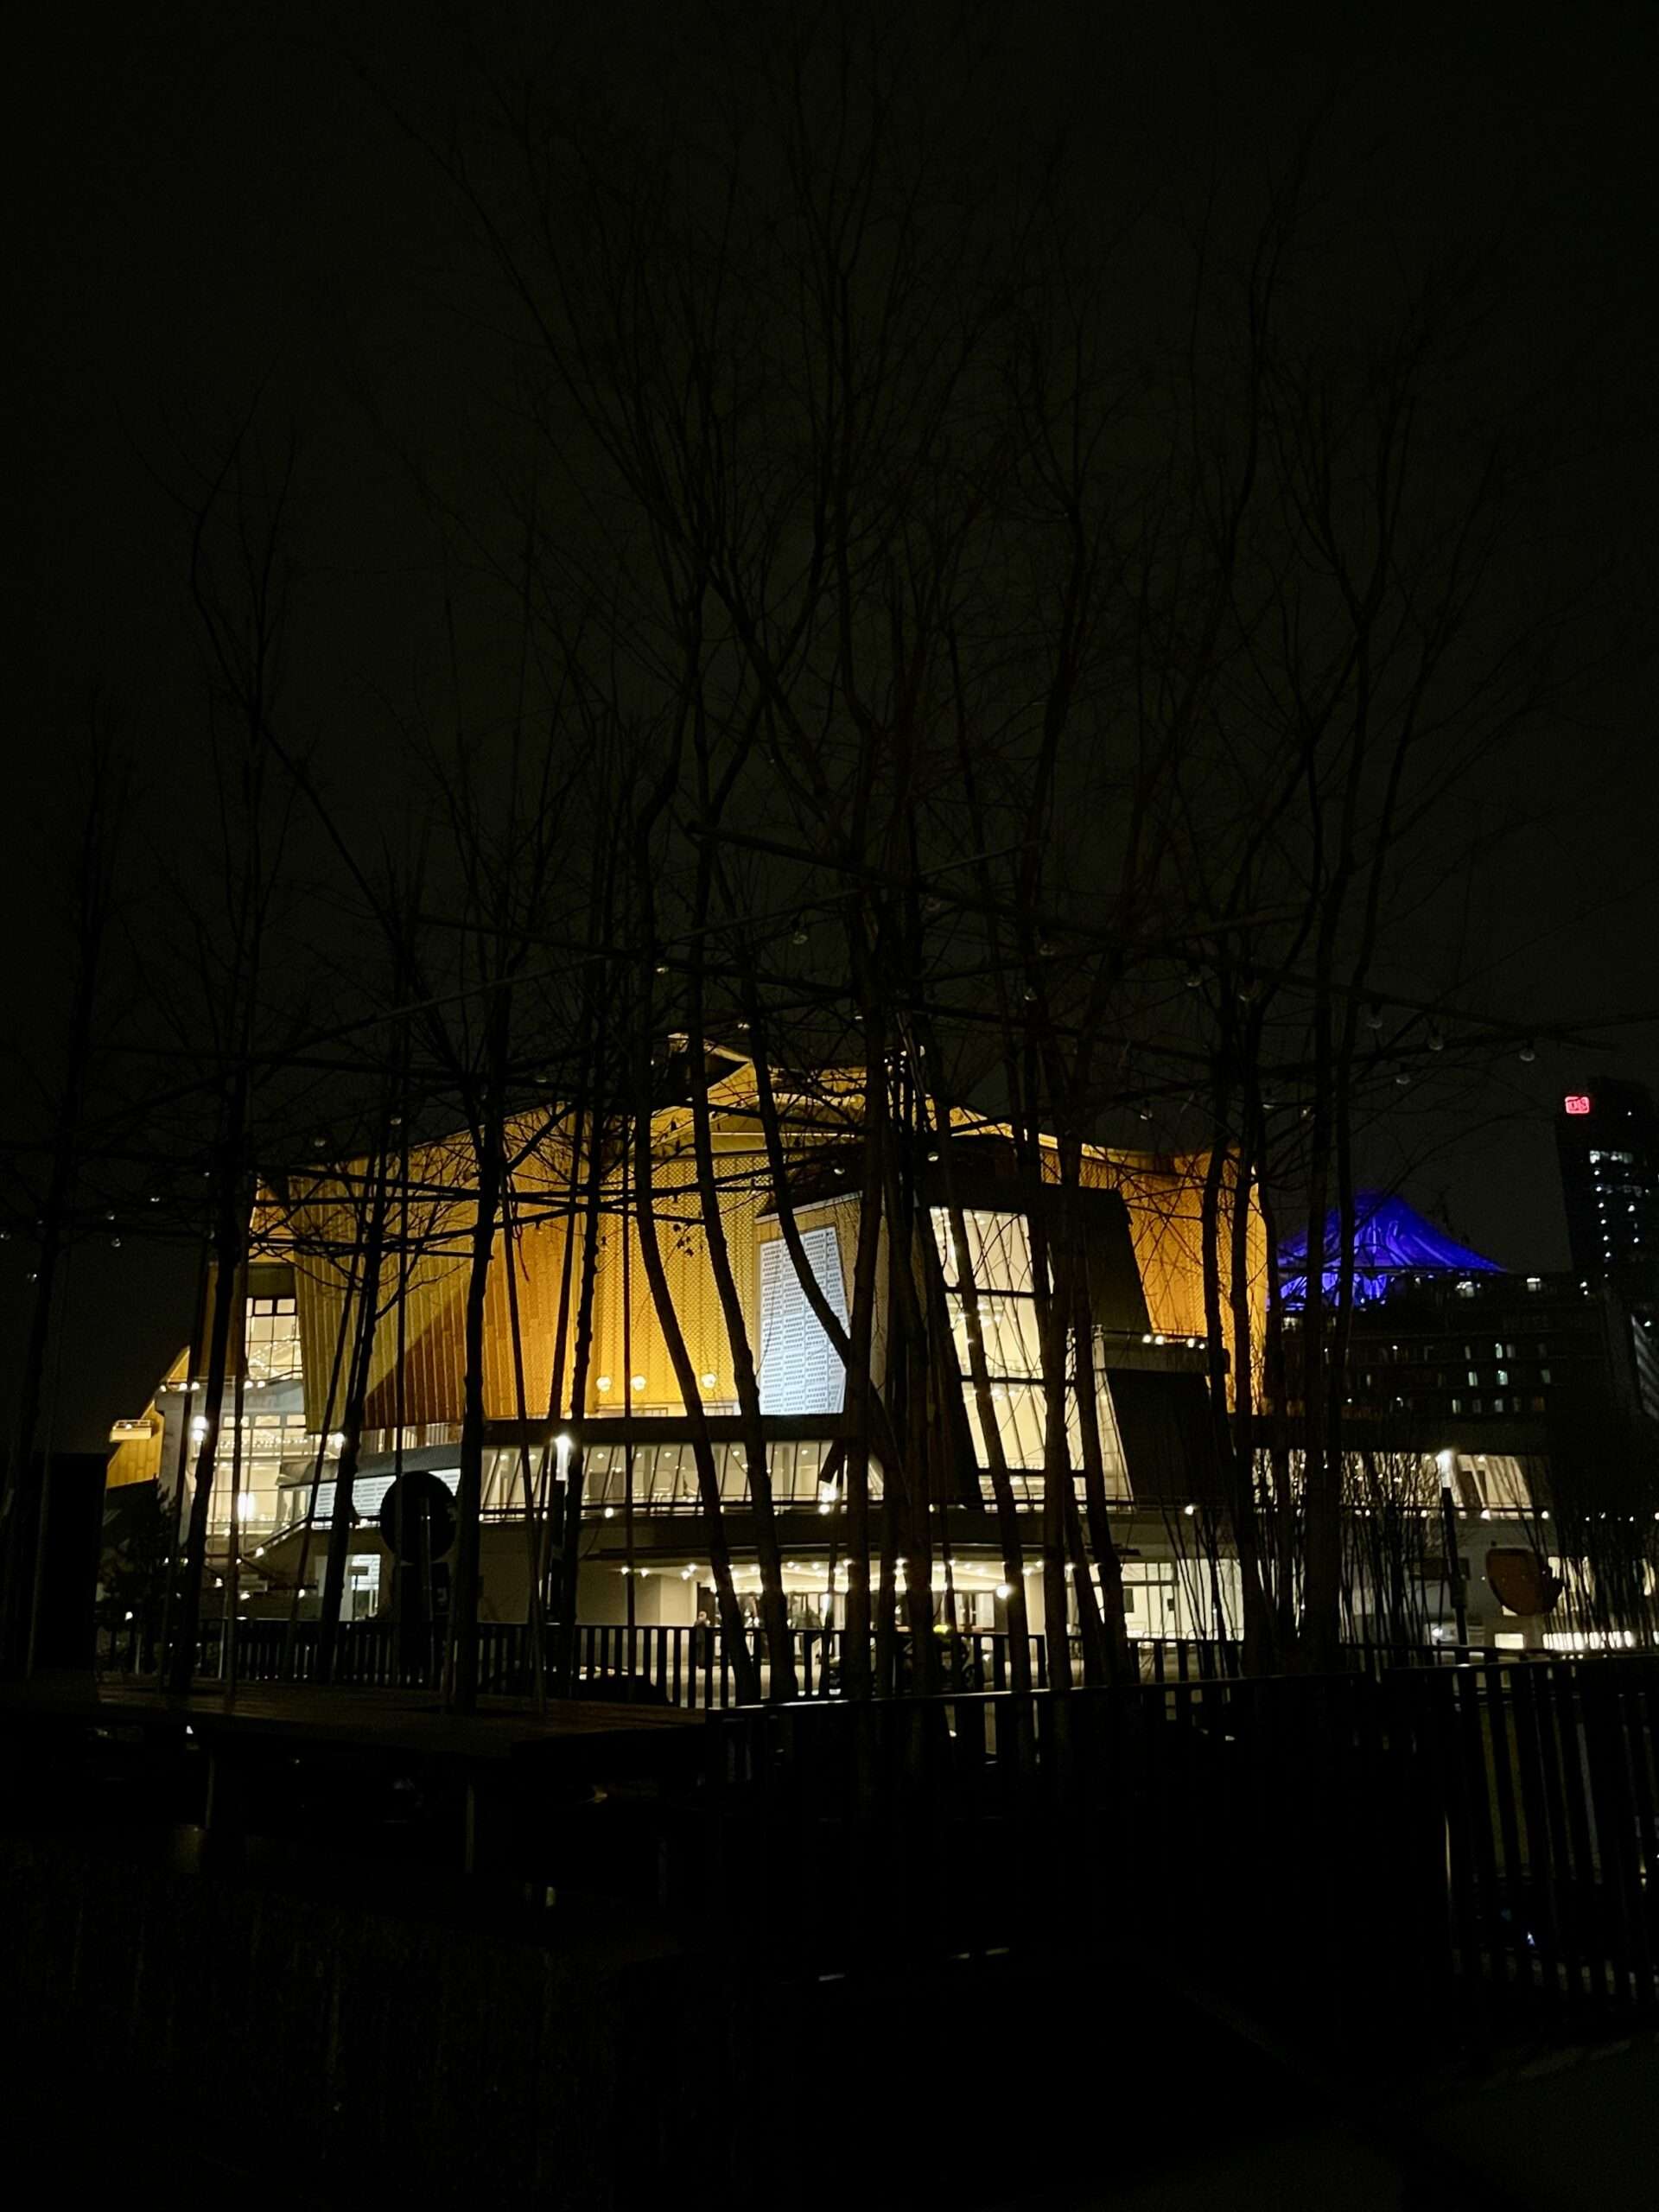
<point x="1561" y="2129"/>
<point x="354" y="2055"/>
<point x="330" y="2013"/>
<point x="1578" y="2129"/>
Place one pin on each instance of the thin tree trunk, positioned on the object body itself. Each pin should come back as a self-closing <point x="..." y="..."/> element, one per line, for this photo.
<point x="860" y="1391"/>
<point x="193" y="1357"/>
<point x="230" y="1245"/>
<point x="357" y="1391"/>
<point x="342" y="1338"/>
<point x="1322" y="1573"/>
<point x="1048" y="1281"/>
<point x="996" y="1463"/>
<point x="234" y="1539"/>
<point x="774" y="1610"/>
<point x="908" y="1382"/>
<point x="22" y="1516"/>
<point x="487" y="1141"/>
<point x="574" y="1476"/>
<point x="685" y="1374"/>
<point x="1261" y="1640"/>
<point x="533" y="1609"/>
<point x="1119" y="1665"/>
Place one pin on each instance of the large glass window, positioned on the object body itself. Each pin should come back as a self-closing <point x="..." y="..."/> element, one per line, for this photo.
<point x="362" y="1587"/>
<point x="369" y="1491"/>
<point x="267" y="1438"/>
<point x="1503" y="1483"/>
<point x="998" y="1265"/>
<point x="273" y="1327"/>
<point x="665" y="1475"/>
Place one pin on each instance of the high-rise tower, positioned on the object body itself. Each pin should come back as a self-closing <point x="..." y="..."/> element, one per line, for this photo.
<point x="1608" y="1140"/>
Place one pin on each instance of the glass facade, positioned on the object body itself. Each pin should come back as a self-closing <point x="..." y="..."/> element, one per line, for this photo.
<point x="273" y="1340"/>
<point x="267" y="1438"/>
<point x="999" y="1266"/>
<point x="665" y="1475"/>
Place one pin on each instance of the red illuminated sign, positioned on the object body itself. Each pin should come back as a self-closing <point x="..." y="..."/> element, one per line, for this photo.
<point x="1576" y="1102"/>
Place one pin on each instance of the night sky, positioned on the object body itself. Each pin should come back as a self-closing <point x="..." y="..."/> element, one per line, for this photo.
<point x="207" y="204"/>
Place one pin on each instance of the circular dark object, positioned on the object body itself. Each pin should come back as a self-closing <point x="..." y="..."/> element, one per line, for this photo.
<point x="1523" y="1581"/>
<point x="417" y="1517"/>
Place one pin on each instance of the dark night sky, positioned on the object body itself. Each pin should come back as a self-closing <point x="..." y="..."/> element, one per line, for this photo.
<point x="197" y="208"/>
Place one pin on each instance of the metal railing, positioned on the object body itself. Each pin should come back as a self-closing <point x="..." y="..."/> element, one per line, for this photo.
<point x="1368" y="1846"/>
<point x="693" y="1667"/>
<point x="1355" y="1854"/>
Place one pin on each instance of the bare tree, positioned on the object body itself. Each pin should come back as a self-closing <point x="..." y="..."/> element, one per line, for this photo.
<point x="94" y="893"/>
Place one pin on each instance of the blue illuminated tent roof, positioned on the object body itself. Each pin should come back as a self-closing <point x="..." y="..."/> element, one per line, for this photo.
<point x="1390" y="1240"/>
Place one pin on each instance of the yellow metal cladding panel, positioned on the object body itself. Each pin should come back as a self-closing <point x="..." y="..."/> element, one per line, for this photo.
<point x="1163" y="1197"/>
<point x="137" y="1455"/>
<point x="1165" y="1201"/>
<point x="136" y="1459"/>
<point x="524" y="1274"/>
<point x="316" y="1233"/>
<point x="628" y="1337"/>
<point x="433" y="1283"/>
<point x="629" y="1340"/>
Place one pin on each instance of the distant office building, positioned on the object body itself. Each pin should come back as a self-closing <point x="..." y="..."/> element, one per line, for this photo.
<point x="1608" y="1140"/>
<point x="1534" y="1399"/>
<point x="1448" y="1350"/>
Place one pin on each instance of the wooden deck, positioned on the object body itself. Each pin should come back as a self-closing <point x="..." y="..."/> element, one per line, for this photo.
<point x="293" y="1766"/>
<point x="301" y="1717"/>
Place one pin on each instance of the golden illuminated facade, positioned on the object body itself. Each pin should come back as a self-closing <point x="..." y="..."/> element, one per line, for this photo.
<point x="417" y="1363"/>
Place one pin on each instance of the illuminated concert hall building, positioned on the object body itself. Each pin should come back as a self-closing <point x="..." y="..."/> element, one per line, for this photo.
<point x="1464" y="1379"/>
<point x="642" y="1514"/>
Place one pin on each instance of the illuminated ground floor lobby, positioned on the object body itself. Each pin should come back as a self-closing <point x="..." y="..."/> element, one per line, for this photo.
<point x="645" y="1560"/>
<point x="650" y="1569"/>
